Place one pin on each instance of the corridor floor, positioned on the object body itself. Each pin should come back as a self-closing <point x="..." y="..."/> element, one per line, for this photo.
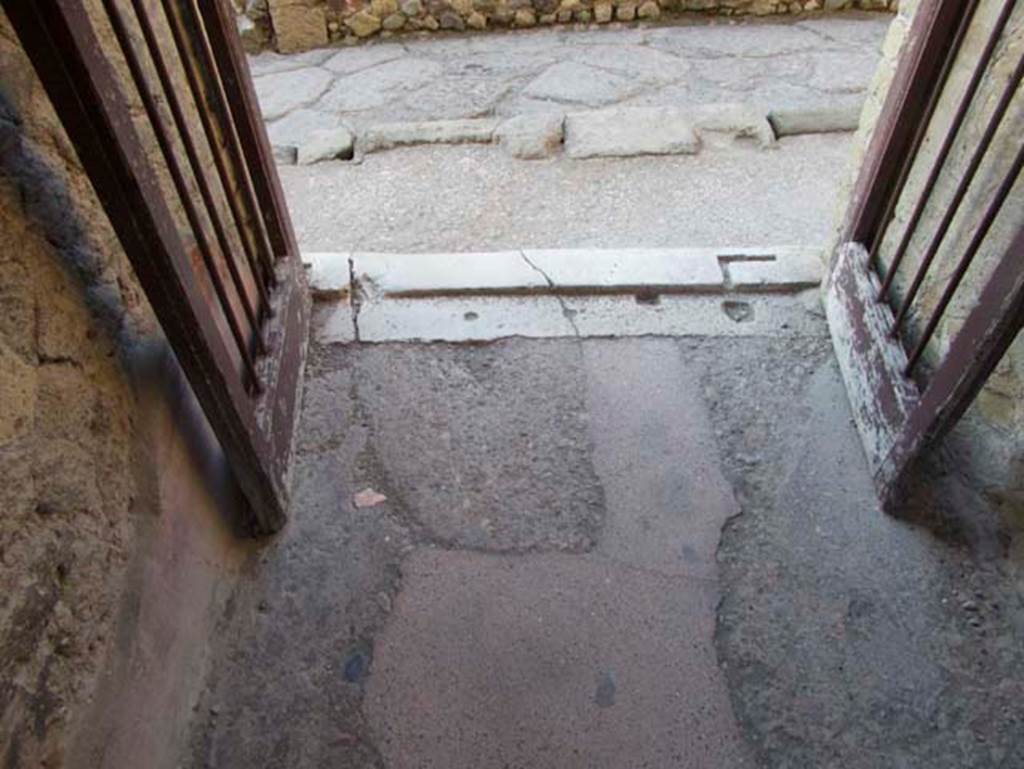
<point x="645" y="552"/>
<point x="599" y="552"/>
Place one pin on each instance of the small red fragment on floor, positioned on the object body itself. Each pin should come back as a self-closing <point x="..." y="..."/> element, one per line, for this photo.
<point x="368" y="498"/>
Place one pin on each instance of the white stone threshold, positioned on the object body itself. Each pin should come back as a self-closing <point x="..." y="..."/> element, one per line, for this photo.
<point x="564" y="271"/>
<point x="473" y="297"/>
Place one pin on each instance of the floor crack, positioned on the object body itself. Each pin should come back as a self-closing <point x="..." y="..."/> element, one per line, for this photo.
<point x="567" y="312"/>
<point x="355" y="297"/>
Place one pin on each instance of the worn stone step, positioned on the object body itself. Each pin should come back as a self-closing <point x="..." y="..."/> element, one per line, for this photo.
<point x="566" y="271"/>
<point x="307" y="136"/>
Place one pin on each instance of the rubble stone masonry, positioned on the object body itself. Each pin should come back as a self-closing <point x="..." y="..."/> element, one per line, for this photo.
<point x="289" y="26"/>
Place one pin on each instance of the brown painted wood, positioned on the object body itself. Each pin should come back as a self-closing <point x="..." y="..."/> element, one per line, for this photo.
<point x="931" y="34"/>
<point x="218" y="127"/>
<point x="255" y="432"/>
<point x="896" y="419"/>
<point x="870" y="360"/>
<point x="991" y="327"/>
<point x="241" y="96"/>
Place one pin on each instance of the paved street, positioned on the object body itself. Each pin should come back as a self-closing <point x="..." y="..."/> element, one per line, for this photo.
<point x="475" y="198"/>
<point x="735" y="191"/>
<point x="770" y="64"/>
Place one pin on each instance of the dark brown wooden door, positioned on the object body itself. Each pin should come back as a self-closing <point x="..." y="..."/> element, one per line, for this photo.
<point x="906" y="392"/>
<point x="193" y="195"/>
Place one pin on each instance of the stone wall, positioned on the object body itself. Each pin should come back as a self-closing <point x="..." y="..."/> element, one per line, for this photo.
<point x="298" y="25"/>
<point x="115" y="552"/>
<point x="988" y="447"/>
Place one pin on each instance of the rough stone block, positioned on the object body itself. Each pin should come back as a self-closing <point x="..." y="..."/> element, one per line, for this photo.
<point x="387" y="135"/>
<point x="628" y="132"/>
<point x="363" y="24"/>
<point x="297" y="26"/>
<point x="532" y="136"/>
<point x="326" y="144"/>
<point x="740" y="121"/>
<point x="797" y="120"/>
<point x="252" y="35"/>
<point x="525" y="17"/>
<point x="452" y="20"/>
<point x="603" y="12"/>
<point x="649" y="10"/>
<point x="18" y="385"/>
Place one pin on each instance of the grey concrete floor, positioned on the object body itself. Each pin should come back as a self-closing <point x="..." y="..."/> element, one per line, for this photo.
<point x="619" y="552"/>
<point x="657" y="552"/>
<point x="474" y="198"/>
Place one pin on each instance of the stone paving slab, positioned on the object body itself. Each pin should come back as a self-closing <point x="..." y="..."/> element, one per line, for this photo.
<point x="793" y="121"/>
<point x="477" y="473"/>
<point x="570" y="82"/>
<point x="548" y="661"/>
<point x="282" y="93"/>
<point x="813" y="63"/>
<point x="388" y="135"/>
<point x="666" y="498"/>
<point x="629" y="132"/>
<point x="297" y="127"/>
